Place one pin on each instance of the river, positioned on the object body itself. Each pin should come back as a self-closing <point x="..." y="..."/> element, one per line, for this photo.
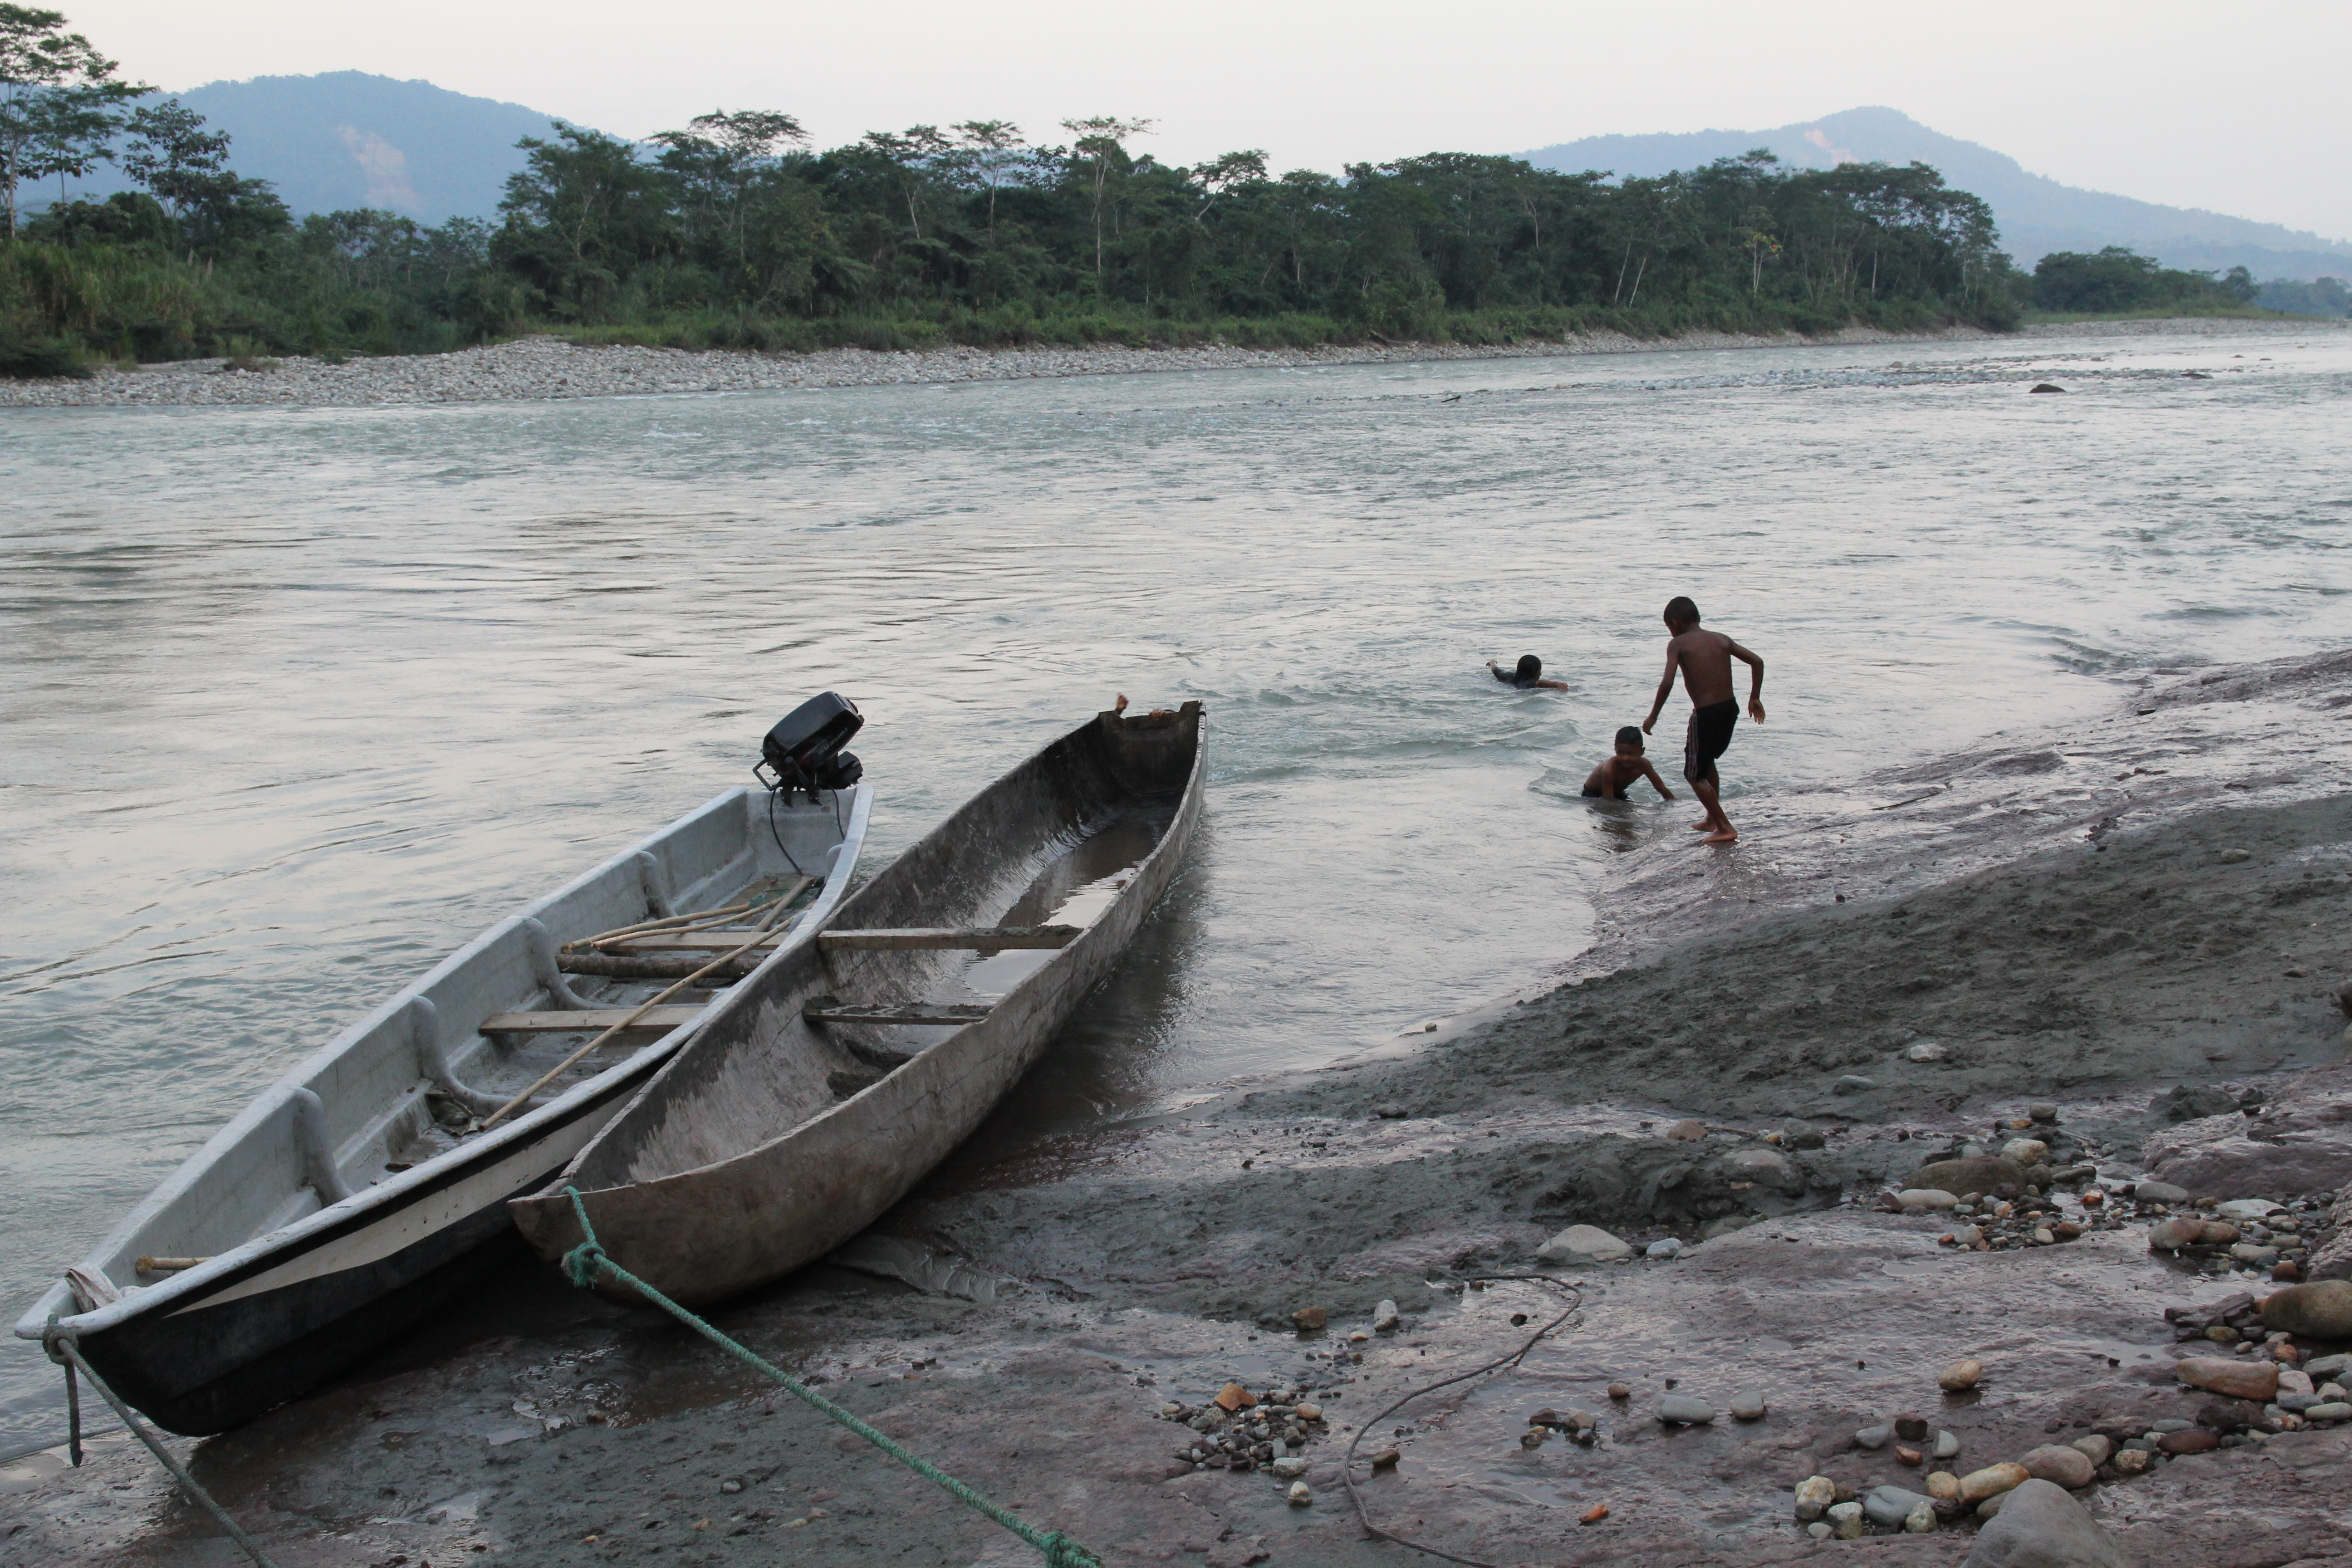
<point x="293" y="700"/>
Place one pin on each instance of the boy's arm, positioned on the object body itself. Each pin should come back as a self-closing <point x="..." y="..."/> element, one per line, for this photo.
<point x="1666" y="688"/>
<point x="1553" y="685"/>
<point x="1649" y="770"/>
<point x="1497" y="672"/>
<point x="1755" y="663"/>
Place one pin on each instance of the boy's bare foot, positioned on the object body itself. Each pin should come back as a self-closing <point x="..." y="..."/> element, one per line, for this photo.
<point x="1722" y="836"/>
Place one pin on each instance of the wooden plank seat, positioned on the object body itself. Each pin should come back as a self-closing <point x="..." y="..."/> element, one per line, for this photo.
<point x="982" y="938"/>
<point x="952" y="1015"/>
<point x="719" y="939"/>
<point x="574" y="1022"/>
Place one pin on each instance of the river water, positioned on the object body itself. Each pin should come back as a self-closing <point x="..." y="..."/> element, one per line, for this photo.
<point x="292" y="701"/>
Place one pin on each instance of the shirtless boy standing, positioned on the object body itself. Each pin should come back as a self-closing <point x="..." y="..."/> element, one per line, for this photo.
<point x="1705" y="657"/>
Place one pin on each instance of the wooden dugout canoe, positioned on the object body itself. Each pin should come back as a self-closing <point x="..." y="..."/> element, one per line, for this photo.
<point x="815" y="1098"/>
<point x="349" y="1199"/>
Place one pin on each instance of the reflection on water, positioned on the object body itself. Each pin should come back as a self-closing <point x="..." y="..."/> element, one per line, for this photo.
<point x="292" y="701"/>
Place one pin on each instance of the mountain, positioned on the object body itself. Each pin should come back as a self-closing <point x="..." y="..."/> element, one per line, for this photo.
<point x="346" y="139"/>
<point x="2037" y="215"/>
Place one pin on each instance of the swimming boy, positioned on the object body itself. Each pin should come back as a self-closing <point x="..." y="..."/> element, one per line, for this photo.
<point x="1529" y="674"/>
<point x="1705" y="657"/>
<point x="1612" y="778"/>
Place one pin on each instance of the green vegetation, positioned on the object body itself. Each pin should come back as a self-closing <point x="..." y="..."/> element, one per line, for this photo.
<point x="733" y="233"/>
<point x="2120" y="282"/>
<point x="2321" y="297"/>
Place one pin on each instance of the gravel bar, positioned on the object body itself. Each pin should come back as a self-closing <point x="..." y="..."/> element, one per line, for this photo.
<point x="543" y="368"/>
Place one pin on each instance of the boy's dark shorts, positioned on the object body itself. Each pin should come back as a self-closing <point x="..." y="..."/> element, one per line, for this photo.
<point x="1709" y="737"/>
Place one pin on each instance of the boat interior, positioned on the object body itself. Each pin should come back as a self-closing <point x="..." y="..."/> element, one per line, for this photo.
<point x="618" y="962"/>
<point x="929" y="946"/>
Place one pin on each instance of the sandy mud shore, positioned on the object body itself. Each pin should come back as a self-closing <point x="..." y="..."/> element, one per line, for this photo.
<point x="2120" y="939"/>
<point x="551" y="368"/>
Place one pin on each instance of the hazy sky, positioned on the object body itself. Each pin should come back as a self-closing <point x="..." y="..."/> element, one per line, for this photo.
<point x="2241" y="107"/>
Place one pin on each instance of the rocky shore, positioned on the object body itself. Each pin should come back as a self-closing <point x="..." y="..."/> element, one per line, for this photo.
<point x="1979" y="1187"/>
<point x="551" y="368"/>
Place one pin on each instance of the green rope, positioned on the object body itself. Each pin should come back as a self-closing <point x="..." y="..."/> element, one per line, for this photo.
<point x="65" y="1351"/>
<point x="581" y="1265"/>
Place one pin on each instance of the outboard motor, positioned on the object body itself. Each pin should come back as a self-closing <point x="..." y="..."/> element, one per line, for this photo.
<point x="804" y="750"/>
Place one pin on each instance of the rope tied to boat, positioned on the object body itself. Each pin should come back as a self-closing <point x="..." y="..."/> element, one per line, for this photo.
<point x="65" y="1349"/>
<point x="585" y="1263"/>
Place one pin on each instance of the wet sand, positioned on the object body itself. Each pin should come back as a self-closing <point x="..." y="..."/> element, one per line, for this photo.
<point x="2084" y="916"/>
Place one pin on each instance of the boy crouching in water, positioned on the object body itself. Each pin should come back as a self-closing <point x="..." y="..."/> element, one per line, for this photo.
<point x="1612" y="778"/>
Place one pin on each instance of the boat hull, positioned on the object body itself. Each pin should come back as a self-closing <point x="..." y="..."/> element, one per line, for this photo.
<point x="705" y="1233"/>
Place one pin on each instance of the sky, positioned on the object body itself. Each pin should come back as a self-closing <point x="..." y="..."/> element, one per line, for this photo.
<point x="2241" y="109"/>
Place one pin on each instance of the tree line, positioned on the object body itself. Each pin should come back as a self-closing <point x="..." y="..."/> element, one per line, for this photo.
<point x="734" y="231"/>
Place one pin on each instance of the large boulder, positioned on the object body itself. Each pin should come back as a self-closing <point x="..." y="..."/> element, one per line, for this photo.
<point x="2038" y="1526"/>
<point x="1970" y="1176"/>
<point x="2319" y="1311"/>
<point x="2299" y="1144"/>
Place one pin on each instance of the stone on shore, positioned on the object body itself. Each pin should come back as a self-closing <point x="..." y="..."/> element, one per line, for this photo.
<point x="1748" y="1405"/>
<point x="2187" y="1230"/>
<point x="2038" y="1526"/>
<point x="2319" y="1311"/>
<point x="1926" y="1198"/>
<point x="1959" y="1377"/>
<point x="1890" y="1505"/>
<point x="1946" y="1444"/>
<point x="2097" y="1449"/>
<point x="2067" y="1465"/>
<point x="1921" y="1519"/>
<point x="1970" y="1176"/>
<point x="1682" y="1409"/>
<point x="1311" y="1320"/>
<point x="2231" y="1378"/>
<point x="1687" y="1131"/>
<point x="1991" y="1481"/>
<point x="1845" y="1520"/>
<point x="1943" y="1486"/>
<point x="1385" y="1318"/>
<point x="2160" y="1193"/>
<point x="1926" y="1051"/>
<point x="1579" y="1245"/>
<point x="1815" y="1494"/>
<point x="2026" y="1152"/>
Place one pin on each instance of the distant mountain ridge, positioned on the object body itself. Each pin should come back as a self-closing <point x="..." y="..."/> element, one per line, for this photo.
<point x="2037" y="215"/>
<point x="347" y="139"/>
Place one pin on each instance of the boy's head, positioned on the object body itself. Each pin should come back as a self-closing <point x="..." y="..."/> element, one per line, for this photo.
<point x="1629" y="741"/>
<point x="1530" y="669"/>
<point x="1681" y="614"/>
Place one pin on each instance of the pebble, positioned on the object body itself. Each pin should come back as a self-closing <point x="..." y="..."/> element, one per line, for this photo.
<point x="2195" y="1440"/>
<point x="1854" y="1083"/>
<point x="1943" y="1485"/>
<point x="1815" y="1494"/>
<point x="1682" y="1409"/>
<point x="1845" y="1520"/>
<point x="2067" y="1465"/>
<point x="1959" y="1377"/>
<point x="1991" y="1481"/>
<point x="1801" y="1135"/>
<point x="1386" y="1459"/>
<point x="1946" y="1444"/>
<point x="1992" y="1505"/>
<point x="1620" y="1390"/>
<point x="1668" y="1248"/>
<point x="1910" y="1427"/>
<point x="1905" y="1455"/>
<point x="1301" y="1495"/>
<point x="2098" y="1450"/>
<point x="1819" y="1530"/>
<point x="1385" y="1318"/>
<point x="1926" y="1198"/>
<point x="2328" y="1366"/>
<point x="2131" y="1461"/>
<point x="2319" y="1311"/>
<point x="2027" y="1152"/>
<point x="2243" y="1209"/>
<point x="731" y="1488"/>
<point x="1748" y="1405"/>
<point x="1921" y="1519"/>
<point x="1290" y="1468"/>
<point x="1390" y="1112"/>
<point x="1926" y="1051"/>
<point x="1873" y="1438"/>
<point x="1311" y="1320"/>
<point x="2042" y="1111"/>
<point x="1594" y="1514"/>
<point x="2255" y="1380"/>
<point x="1687" y="1131"/>
<point x="2334" y="1410"/>
<point x="1890" y="1506"/>
<point x="2160" y="1193"/>
<point x="1233" y="1396"/>
<point x="1581" y="1243"/>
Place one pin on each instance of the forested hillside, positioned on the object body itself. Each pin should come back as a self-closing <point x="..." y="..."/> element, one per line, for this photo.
<point x="732" y="231"/>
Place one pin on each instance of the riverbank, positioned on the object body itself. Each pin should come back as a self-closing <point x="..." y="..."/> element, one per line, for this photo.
<point x="2066" y="926"/>
<point x="551" y="368"/>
